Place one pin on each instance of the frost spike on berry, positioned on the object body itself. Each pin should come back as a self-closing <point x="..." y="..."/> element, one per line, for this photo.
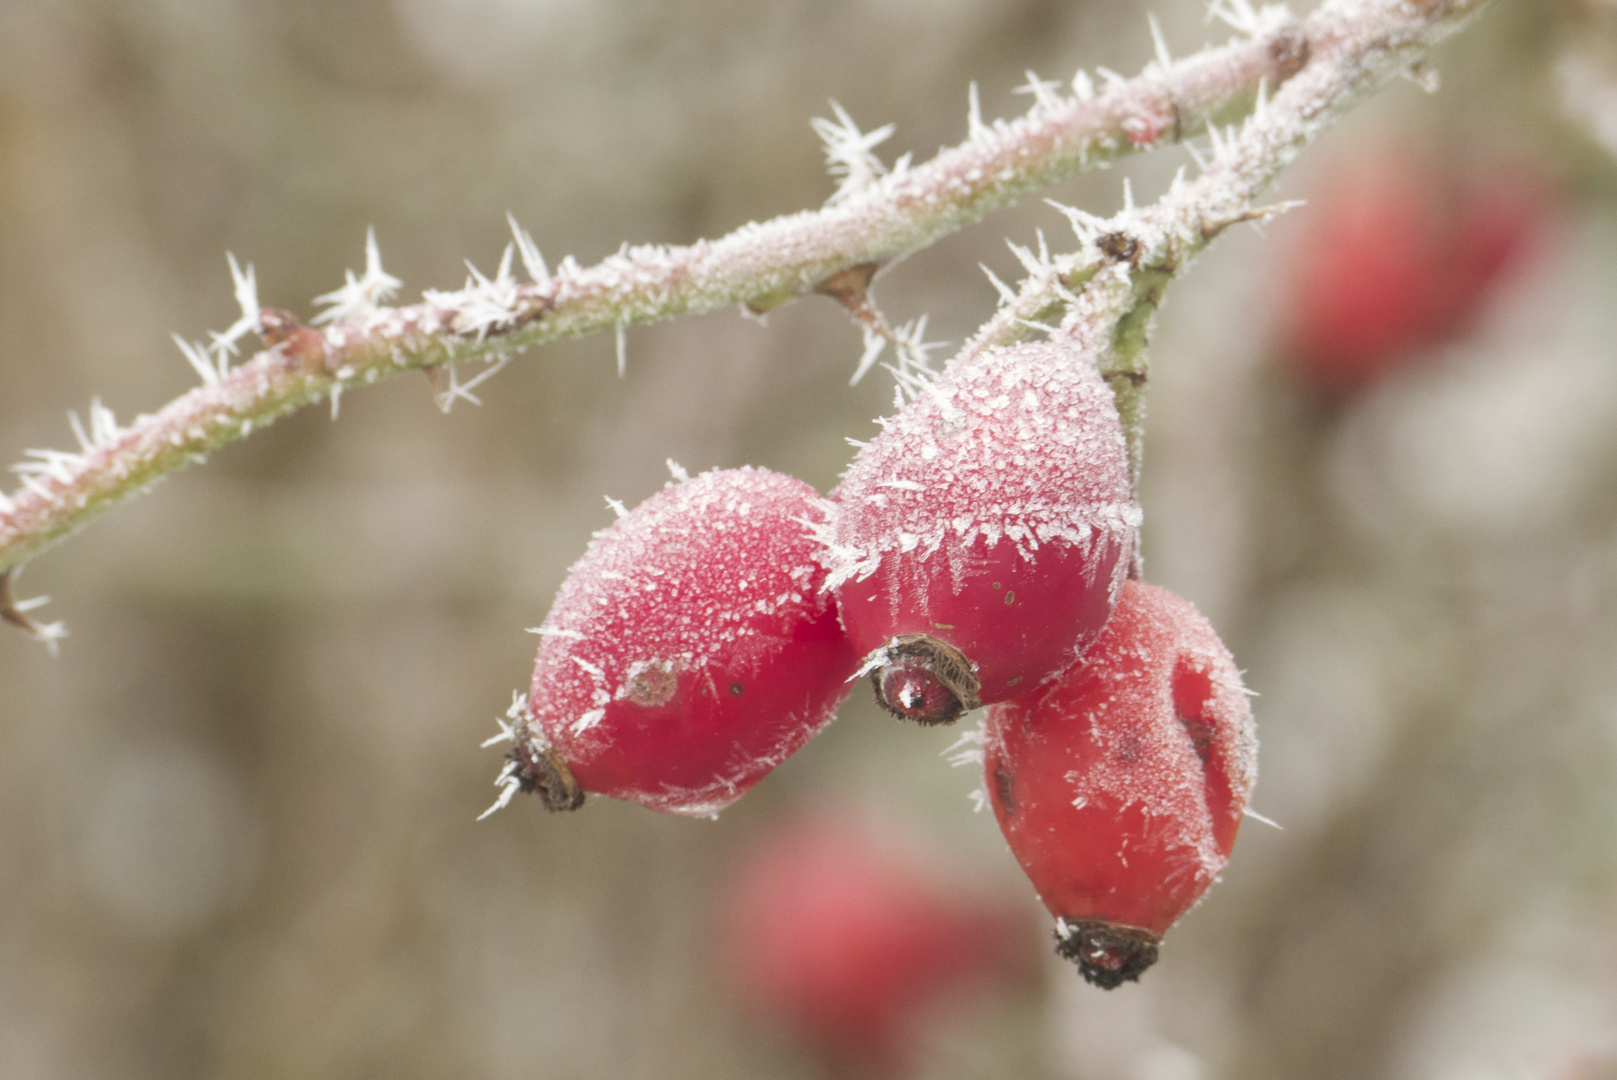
<point x="991" y="520"/>
<point x="1121" y="786"/>
<point x="691" y="649"/>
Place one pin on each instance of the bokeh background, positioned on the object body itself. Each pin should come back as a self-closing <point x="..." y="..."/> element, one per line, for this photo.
<point x="237" y="833"/>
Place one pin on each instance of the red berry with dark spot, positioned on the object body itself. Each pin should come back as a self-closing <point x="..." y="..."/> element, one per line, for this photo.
<point x="845" y="938"/>
<point x="691" y="650"/>
<point x="984" y="533"/>
<point x="1121" y="786"/>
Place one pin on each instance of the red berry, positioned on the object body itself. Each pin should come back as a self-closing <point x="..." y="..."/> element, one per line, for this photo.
<point x="845" y="939"/>
<point x="984" y="533"/>
<point x="1120" y="787"/>
<point x="1398" y="252"/>
<point x="690" y="651"/>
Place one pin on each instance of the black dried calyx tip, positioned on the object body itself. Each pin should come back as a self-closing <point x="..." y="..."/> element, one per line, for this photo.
<point x="925" y="680"/>
<point x="540" y="770"/>
<point x="1107" y="954"/>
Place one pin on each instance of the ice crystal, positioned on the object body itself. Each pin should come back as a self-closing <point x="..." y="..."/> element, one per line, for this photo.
<point x="532" y="261"/>
<point x="363" y="296"/>
<point x="849" y="153"/>
<point x="246" y="287"/>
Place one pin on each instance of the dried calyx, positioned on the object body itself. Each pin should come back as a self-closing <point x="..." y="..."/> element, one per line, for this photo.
<point x="925" y="680"/>
<point x="1107" y="954"/>
<point x="539" y="770"/>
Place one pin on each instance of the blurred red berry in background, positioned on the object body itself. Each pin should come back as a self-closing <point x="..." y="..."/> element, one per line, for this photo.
<point x="845" y="939"/>
<point x="1400" y="249"/>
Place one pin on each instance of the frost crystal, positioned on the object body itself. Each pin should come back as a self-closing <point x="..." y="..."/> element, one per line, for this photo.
<point x="849" y="153"/>
<point x="247" y="296"/>
<point x="363" y="296"/>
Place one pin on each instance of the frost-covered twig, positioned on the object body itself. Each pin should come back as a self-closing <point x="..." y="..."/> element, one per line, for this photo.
<point x="873" y="218"/>
<point x="1104" y="295"/>
<point x="759" y="265"/>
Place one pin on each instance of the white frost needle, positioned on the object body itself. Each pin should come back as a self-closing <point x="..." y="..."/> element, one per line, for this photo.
<point x="545" y="631"/>
<point x="875" y="342"/>
<point x="1255" y="816"/>
<point x="849" y="153"/>
<point x="974" y="116"/>
<point x="618" y="509"/>
<point x="361" y="296"/>
<point x="509" y="785"/>
<point x="85" y="442"/>
<point x="462" y="391"/>
<point x="1164" y="57"/>
<point x="1006" y="293"/>
<point x="246" y="288"/>
<point x="1046" y="97"/>
<point x="532" y="261"/>
<point x="197" y="357"/>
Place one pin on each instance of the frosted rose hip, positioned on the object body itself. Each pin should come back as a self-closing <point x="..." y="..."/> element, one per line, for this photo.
<point x="690" y="651"/>
<point x="1121" y="786"/>
<point x="984" y="533"/>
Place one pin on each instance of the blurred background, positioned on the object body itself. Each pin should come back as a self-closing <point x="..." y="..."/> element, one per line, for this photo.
<point x="237" y="834"/>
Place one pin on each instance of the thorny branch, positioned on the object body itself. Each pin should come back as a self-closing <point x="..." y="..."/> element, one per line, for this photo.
<point x="1107" y="290"/>
<point x="1105" y="295"/>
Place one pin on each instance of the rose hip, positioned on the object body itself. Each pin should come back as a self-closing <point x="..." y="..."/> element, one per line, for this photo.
<point x="1120" y="787"/>
<point x="984" y="533"/>
<point x="690" y="651"/>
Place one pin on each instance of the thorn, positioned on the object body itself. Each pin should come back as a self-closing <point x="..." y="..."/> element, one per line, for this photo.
<point x="15" y="613"/>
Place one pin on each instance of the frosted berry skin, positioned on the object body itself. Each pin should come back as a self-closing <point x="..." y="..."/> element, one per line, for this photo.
<point x="690" y="651"/>
<point x="1121" y="786"/>
<point x="993" y="517"/>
